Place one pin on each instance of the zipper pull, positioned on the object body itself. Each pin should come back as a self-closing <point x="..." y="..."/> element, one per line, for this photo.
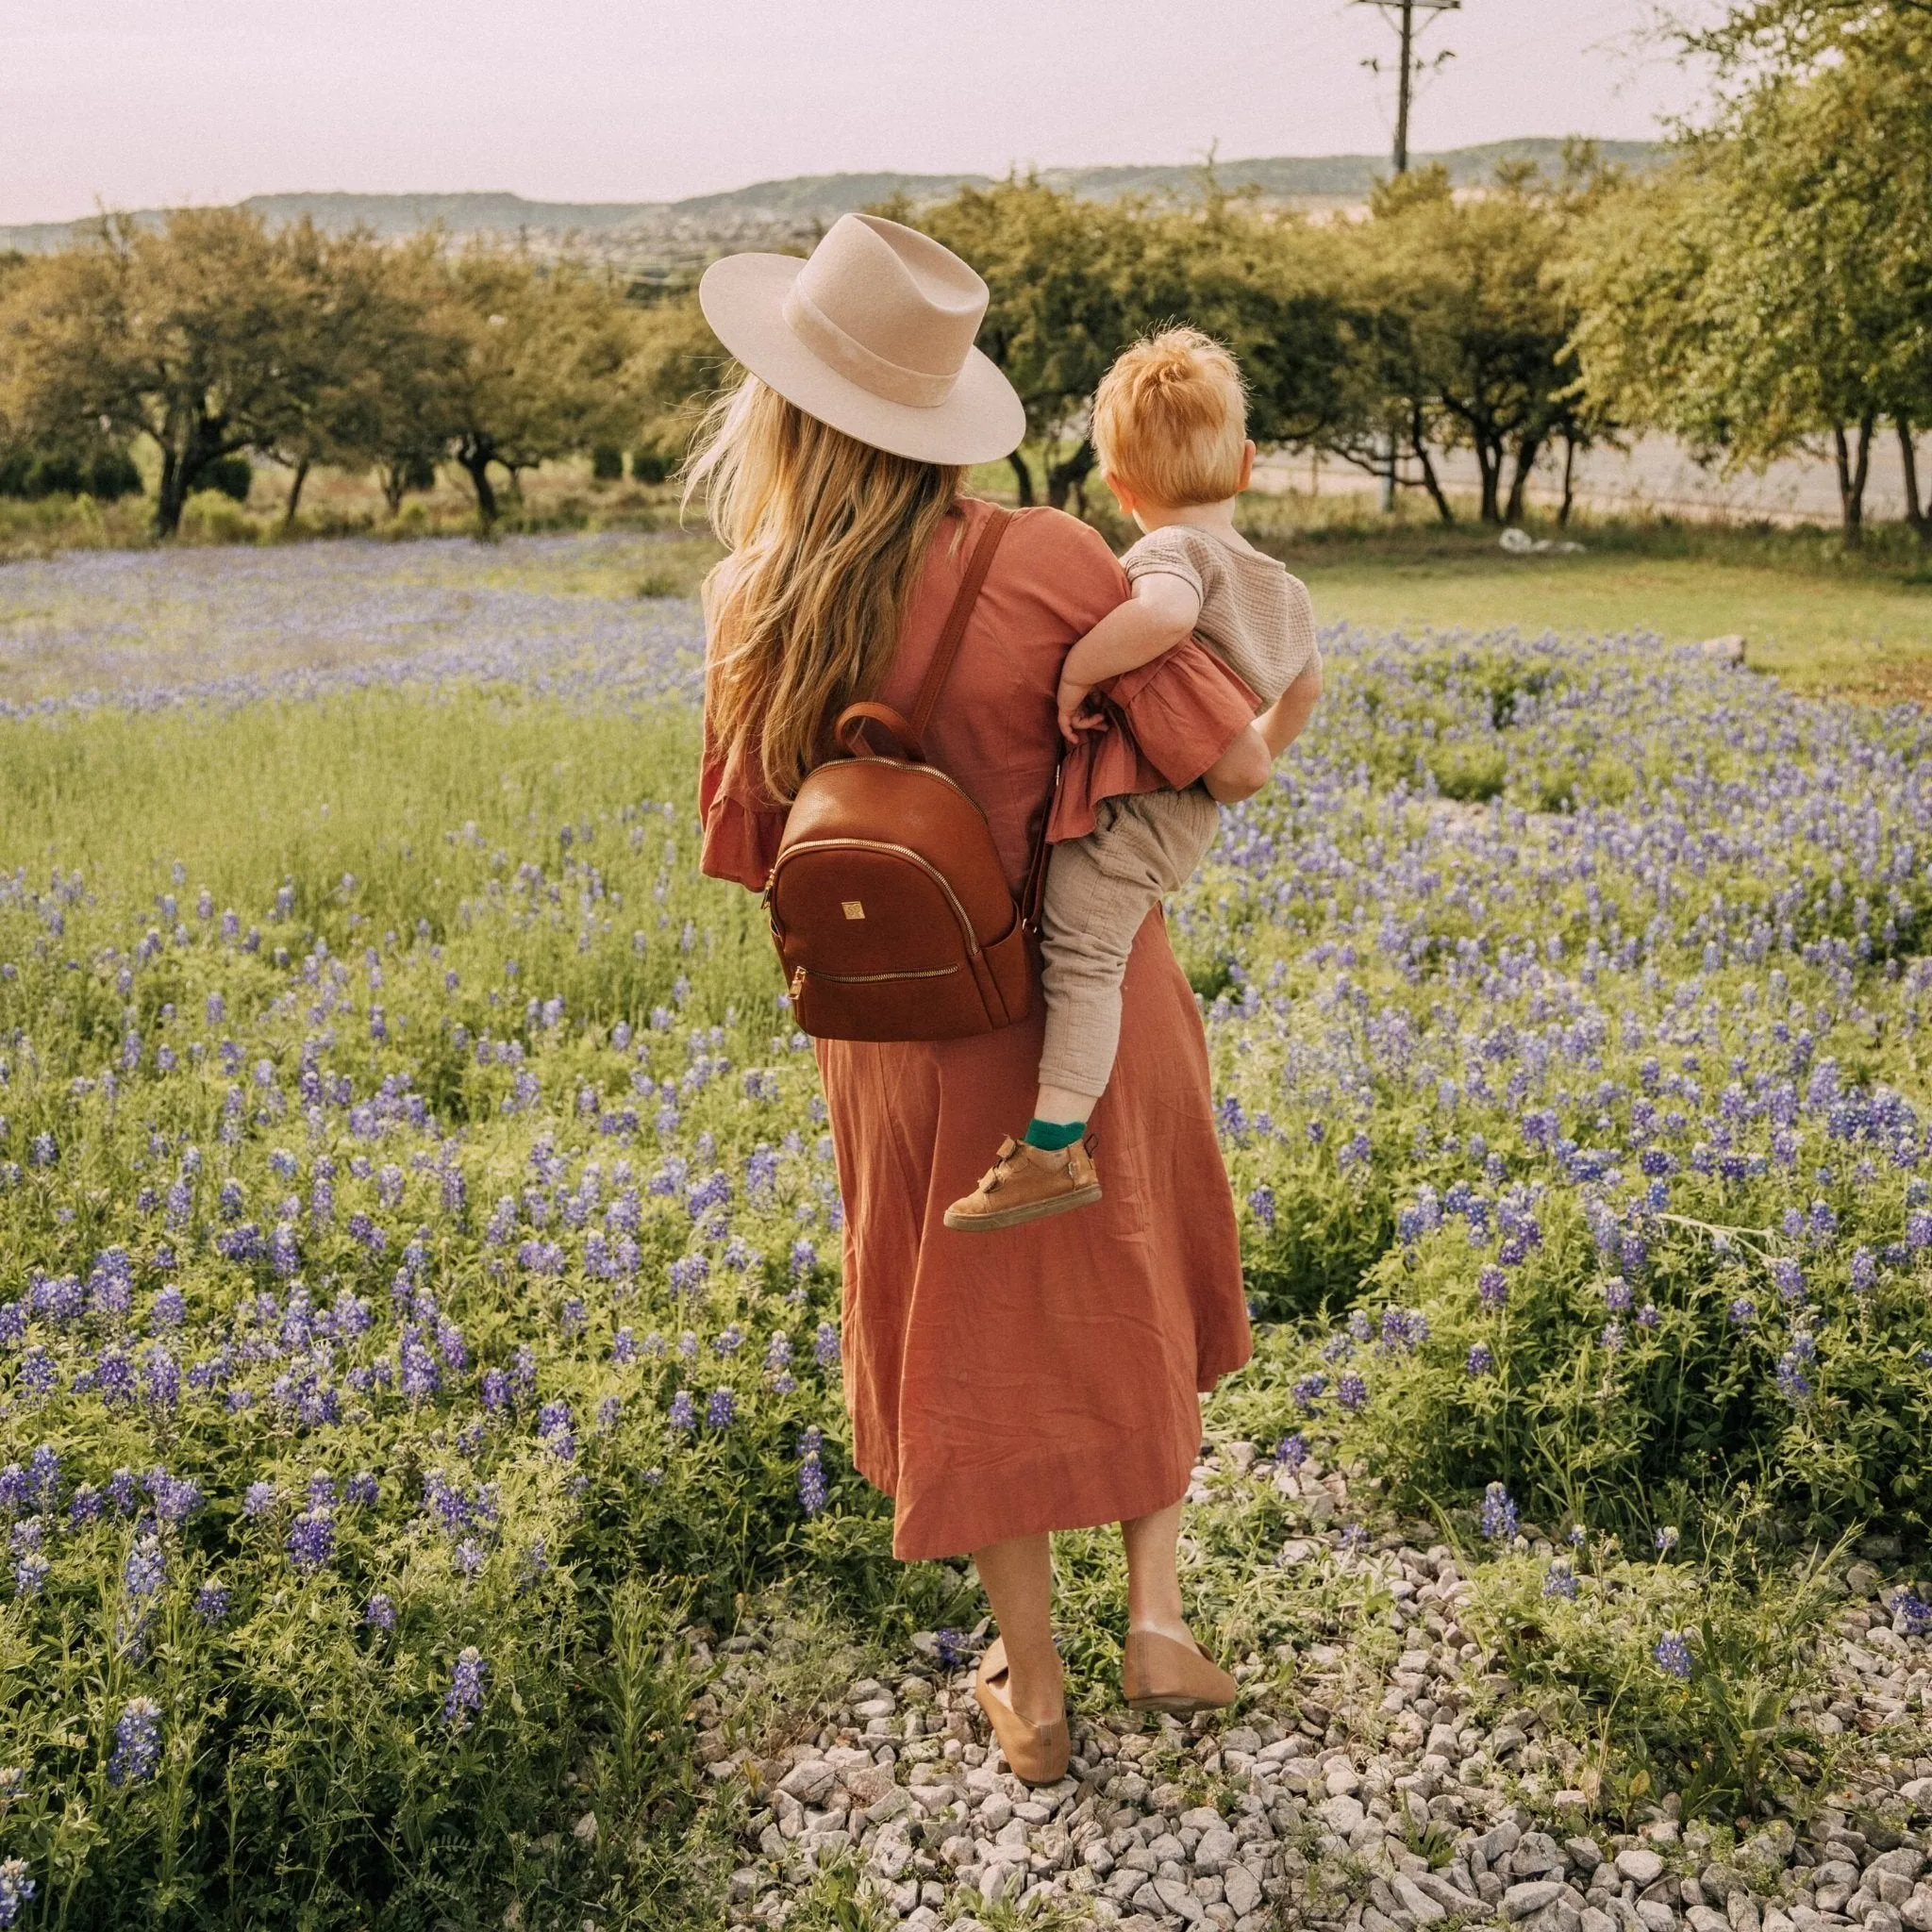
<point x="797" y="983"/>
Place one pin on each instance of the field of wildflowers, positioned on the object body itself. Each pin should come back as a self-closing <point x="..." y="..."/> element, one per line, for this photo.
<point x="418" y="1232"/>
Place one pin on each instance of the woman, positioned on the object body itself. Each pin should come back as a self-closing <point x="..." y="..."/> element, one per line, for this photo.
<point x="1046" y="1377"/>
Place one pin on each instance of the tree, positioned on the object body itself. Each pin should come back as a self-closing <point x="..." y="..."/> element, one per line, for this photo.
<point x="539" y="364"/>
<point x="1775" y="289"/>
<point x="1072" y="282"/>
<point x="187" y="334"/>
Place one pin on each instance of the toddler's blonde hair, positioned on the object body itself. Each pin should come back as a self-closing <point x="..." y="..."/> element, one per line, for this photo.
<point x="1171" y="418"/>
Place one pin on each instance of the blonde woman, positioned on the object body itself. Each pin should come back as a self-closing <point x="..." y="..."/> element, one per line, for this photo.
<point x="1047" y="1378"/>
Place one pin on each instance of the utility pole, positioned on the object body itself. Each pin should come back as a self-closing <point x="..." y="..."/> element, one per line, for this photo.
<point x="1406" y="26"/>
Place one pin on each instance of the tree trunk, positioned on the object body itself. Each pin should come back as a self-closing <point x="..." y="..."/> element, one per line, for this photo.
<point x="1489" y="462"/>
<point x="1062" y="477"/>
<point x="1419" y="443"/>
<point x="1569" y="481"/>
<point x="1852" y="473"/>
<point x="1527" y="453"/>
<point x="476" y="465"/>
<point x="1909" y="463"/>
<point x="171" y="495"/>
<point x="301" y="476"/>
<point x="1022" y="480"/>
<point x="395" y="477"/>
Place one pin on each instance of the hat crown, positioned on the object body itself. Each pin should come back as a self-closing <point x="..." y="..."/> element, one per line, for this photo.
<point x="905" y="304"/>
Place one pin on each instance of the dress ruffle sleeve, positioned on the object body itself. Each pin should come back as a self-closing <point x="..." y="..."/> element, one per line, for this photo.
<point x="741" y="826"/>
<point x="1165" y="724"/>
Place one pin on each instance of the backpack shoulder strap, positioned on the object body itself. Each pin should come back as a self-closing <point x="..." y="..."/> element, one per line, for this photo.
<point x="947" y="648"/>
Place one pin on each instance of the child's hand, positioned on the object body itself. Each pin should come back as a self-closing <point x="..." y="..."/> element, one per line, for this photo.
<point x="1070" y="702"/>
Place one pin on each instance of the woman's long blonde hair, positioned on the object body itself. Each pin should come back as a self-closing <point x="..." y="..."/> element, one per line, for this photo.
<point x="826" y="537"/>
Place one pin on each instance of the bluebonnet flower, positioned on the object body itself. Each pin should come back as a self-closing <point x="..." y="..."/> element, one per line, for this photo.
<point x="952" y="1648"/>
<point x="623" y="1348"/>
<point x="1262" y="1205"/>
<point x="1479" y="1361"/>
<point x="258" y="1499"/>
<point x="1560" y="1579"/>
<point x="1789" y="1281"/>
<point x="1613" y="1337"/>
<point x="1673" y="1655"/>
<point x="1351" y="1391"/>
<point x="683" y="1417"/>
<point x="464" y="1697"/>
<point x="362" y="1488"/>
<point x="145" y="1569"/>
<point x="16" y="1889"/>
<point x="811" y="1474"/>
<point x="137" y="1742"/>
<point x="557" y="1431"/>
<point x="1492" y="1287"/>
<point x="1667" y="1540"/>
<point x="805" y="1257"/>
<point x="1742" y="1312"/>
<point x="1307" y="1392"/>
<point x="721" y="1410"/>
<point x="1616" y="1295"/>
<point x="1792" y="1383"/>
<point x="824" y="1347"/>
<point x="311" y="1540"/>
<point x="1864" y="1270"/>
<point x="1914" y="1610"/>
<point x="1497" y="1520"/>
<point x="211" y="1603"/>
<point x="379" y="1613"/>
<point x="1292" y="1451"/>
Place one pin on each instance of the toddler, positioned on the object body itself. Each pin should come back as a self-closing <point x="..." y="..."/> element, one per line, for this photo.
<point x="1170" y="426"/>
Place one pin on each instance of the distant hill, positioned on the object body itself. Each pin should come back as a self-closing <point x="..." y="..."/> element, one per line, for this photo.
<point x="794" y="209"/>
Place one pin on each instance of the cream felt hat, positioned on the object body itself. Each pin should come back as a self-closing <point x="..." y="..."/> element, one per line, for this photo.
<point x="873" y="336"/>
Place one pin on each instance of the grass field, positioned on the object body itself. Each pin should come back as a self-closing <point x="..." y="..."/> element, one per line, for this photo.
<point x="420" y="1300"/>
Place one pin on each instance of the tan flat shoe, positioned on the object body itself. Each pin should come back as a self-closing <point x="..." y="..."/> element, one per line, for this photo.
<point x="1162" y="1674"/>
<point x="1026" y="1184"/>
<point x="1035" y="1753"/>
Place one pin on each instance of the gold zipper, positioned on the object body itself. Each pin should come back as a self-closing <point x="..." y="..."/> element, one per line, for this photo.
<point x="799" y="978"/>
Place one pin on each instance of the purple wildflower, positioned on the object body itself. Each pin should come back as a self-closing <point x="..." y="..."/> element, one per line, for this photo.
<point x="137" y="1742"/>
<point x="464" y="1697"/>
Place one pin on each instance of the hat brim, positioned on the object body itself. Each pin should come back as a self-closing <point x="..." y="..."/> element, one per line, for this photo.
<point x="743" y="297"/>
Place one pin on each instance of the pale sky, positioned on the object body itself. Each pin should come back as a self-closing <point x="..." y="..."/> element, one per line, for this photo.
<point x="134" y="103"/>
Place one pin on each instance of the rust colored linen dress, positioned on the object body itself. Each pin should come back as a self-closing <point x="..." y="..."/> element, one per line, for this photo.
<point x="1046" y="1376"/>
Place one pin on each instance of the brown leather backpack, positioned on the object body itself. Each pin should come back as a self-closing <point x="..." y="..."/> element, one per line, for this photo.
<point x="888" y="904"/>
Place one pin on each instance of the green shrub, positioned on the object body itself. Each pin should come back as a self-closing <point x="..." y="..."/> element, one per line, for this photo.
<point x="606" y="462"/>
<point x="234" y="476"/>
<point x="106" y="473"/>
<point x="651" y="465"/>
<point x="1692" y="1671"/>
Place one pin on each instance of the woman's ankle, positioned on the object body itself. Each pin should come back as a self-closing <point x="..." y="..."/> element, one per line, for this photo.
<point x="1174" y="1627"/>
<point x="1038" y="1699"/>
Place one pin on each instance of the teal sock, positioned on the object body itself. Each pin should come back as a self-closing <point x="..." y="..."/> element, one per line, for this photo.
<point x="1050" y="1136"/>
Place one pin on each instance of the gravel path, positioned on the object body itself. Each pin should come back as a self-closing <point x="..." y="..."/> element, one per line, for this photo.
<point x="1289" y="1818"/>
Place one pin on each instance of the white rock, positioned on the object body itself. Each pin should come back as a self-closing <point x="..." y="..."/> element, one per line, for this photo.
<point x="1343" y="1815"/>
<point x="1242" y="1891"/>
<point x="1640" y="1865"/>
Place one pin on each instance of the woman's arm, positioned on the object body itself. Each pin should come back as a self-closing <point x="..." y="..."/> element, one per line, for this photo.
<point x="1159" y="613"/>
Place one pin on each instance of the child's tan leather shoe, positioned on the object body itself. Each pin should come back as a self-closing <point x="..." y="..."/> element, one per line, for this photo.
<point x="1026" y="1184"/>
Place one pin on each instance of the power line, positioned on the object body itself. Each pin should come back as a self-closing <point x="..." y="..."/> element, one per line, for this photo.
<point x="1408" y="66"/>
<point x="1405" y="14"/>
